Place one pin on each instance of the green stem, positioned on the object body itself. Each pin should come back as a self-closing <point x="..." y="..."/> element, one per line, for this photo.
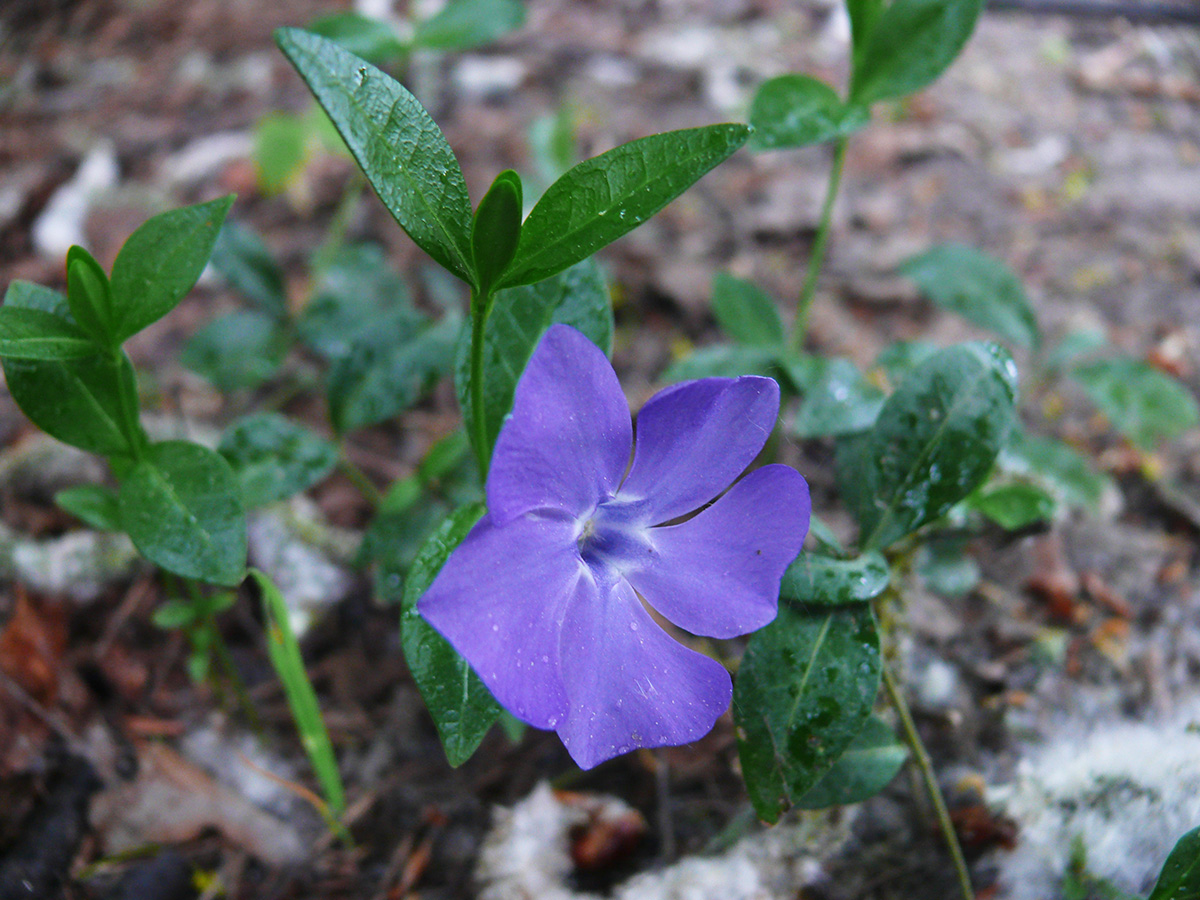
<point x="480" y="308"/>
<point x="931" y="786"/>
<point x="224" y="658"/>
<point x="817" y="256"/>
<point x="359" y="479"/>
<point x="340" y="223"/>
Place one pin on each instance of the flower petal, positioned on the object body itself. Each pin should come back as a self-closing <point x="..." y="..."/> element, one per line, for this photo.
<point x="718" y="573"/>
<point x="629" y="683"/>
<point x="500" y="600"/>
<point x="566" y="444"/>
<point x="694" y="438"/>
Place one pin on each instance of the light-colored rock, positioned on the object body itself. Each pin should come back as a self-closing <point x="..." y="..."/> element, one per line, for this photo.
<point x="61" y="222"/>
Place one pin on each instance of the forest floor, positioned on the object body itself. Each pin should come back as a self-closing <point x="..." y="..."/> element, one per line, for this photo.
<point x="1068" y="148"/>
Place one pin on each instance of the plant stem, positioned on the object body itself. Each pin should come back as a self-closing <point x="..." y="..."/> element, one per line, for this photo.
<point x="817" y="256"/>
<point x="896" y="696"/>
<point x="480" y="307"/>
<point x="221" y="651"/>
<point x="335" y="239"/>
<point x="359" y="479"/>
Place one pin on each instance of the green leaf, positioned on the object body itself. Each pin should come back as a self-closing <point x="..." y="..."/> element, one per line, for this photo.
<point x="900" y="358"/>
<point x="1144" y="404"/>
<point x="869" y="764"/>
<point x="281" y="142"/>
<point x="1074" y="345"/>
<point x="608" y="196"/>
<point x="27" y="295"/>
<point x="381" y="376"/>
<point x="173" y="614"/>
<point x="803" y="692"/>
<point x="823" y="581"/>
<point x="462" y="24"/>
<point x="462" y="708"/>
<point x="78" y="401"/>
<point x="248" y="265"/>
<point x="746" y="312"/>
<point x="863" y="15"/>
<point x="34" y="334"/>
<point x="520" y="316"/>
<point x="371" y="39"/>
<point x="274" y="458"/>
<point x="496" y="229"/>
<point x="90" y="297"/>
<point x="92" y="504"/>
<point x="356" y="292"/>
<point x="724" y="361"/>
<point x="1055" y="464"/>
<point x="1180" y="876"/>
<point x="908" y="45"/>
<point x="841" y="402"/>
<point x="946" y="566"/>
<point x="284" y="651"/>
<point x="181" y="505"/>
<point x="238" y="350"/>
<point x="161" y="261"/>
<point x="1013" y="506"/>
<point x="977" y="287"/>
<point x="398" y="146"/>
<point x="797" y="110"/>
<point x="934" y="441"/>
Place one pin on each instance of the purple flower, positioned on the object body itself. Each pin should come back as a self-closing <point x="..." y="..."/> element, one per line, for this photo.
<point x="550" y="596"/>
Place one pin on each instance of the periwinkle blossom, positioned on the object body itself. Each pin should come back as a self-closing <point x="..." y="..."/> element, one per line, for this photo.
<point x="551" y="597"/>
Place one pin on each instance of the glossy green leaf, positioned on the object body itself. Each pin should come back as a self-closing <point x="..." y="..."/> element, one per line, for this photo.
<point x="93" y="504"/>
<point x="161" y="261"/>
<point x="181" y="505"/>
<point x="977" y="287"/>
<point x="746" y="312"/>
<point x="90" y="297"/>
<point x="496" y="229"/>
<point x="398" y="146"/>
<point x="1014" y="506"/>
<point x="239" y="350"/>
<point x="841" y="402"/>
<point x="281" y="147"/>
<point x="274" y="457"/>
<point x="909" y="44"/>
<point x="462" y="24"/>
<point x="35" y="334"/>
<point x="374" y="41"/>
<point x="462" y="708"/>
<point x="724" y="361"/>
<point x="935" y="440"/>
<point x="380" y="375"/>
<point x="520" y="316"/>
<point x="798" y="110"/>
<point x="284" y="651"/>
<point x="78" y="401"/>
<point x="872" y="760"/>
<point x="355" y="293"/>
<point x="250" y="268"/>
<point x="608" y="196"/>
<point x="1144" y="404"/>
<point x="803" y="692"/>
<point x="824" y="581"/>
<point x="1180" y="876"/>
<point x="1054" y="464"/>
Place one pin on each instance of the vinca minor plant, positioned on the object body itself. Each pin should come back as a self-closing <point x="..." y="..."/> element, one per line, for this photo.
<point x="559" y="558"/>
